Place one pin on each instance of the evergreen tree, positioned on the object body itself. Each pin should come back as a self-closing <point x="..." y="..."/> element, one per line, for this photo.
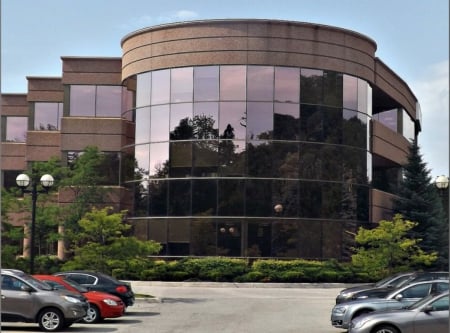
<point x="418" y="200"/>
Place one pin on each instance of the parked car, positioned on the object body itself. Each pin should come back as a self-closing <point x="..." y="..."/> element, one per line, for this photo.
<point x="430" y="314"/>
<point x="101" y="305"/>
<point x="102" y="282"/>
<point x="343" y="314"/>
<point x="26" y="299"/>
<point x="400" y="281"/>
<point x="389" y="282"/>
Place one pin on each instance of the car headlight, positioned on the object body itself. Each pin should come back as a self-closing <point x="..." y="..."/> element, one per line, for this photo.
<point x="340" y="309"/>
<point x="71" y="299"/>
<point x="110" y="302"/>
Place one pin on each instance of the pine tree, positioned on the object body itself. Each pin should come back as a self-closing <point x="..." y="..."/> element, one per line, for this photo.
<point x="418" y="201"/>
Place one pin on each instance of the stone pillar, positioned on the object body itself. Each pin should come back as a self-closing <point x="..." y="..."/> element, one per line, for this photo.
<point x="61" y="247"/>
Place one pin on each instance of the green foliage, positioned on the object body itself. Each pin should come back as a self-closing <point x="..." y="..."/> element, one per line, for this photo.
<point x="419" y="201"/>
<point x="101" y="243"/>
<point x="387" y="249"/>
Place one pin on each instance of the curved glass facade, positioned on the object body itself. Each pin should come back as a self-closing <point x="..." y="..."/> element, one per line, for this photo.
<point x="256" y="161"/>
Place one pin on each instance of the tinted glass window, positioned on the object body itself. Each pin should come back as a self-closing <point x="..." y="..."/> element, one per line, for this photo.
<point x="142" y="156"/>
<point x="181" y="85"/>
<point x="203" y="237"/>
<point x="16" y="129"/>
<point x="332" y="89"/>
<point x="206" y="120"/>
<point x="180" y="198"/>
<point x="260" y="83"/>
<point x="159" y="125"/>
<point x="311" y="86"/>
<point x="388" y="118"/>
<point x="286" y="121"/>
<point x="47" y="116"/>
<point x="160" y="92"/>
<point x="109" y="101"/>
<point x="231" y="197"/>
<point x="159" y="159"/>
<point x="143" y="89"/>
<point x="350" y="92"/>
<point x="233" y="83"/>
<point x="181" y="127"/>
<point x="142" y="125"/>
<point x="206" y="83"/>
<point x="259" y="121"/>
<point x="82" y="101"/>
<point x="204" y="197"/>
<point x="233" y="120"/>
<point x="287" y="84"/>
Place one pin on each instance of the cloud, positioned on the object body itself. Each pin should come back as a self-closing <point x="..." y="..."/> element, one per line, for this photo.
<point x="148" y="20"/>
<point x="432" y="91"/>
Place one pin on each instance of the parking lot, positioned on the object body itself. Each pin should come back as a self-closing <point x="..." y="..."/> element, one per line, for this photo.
<point x="209" y="307"/>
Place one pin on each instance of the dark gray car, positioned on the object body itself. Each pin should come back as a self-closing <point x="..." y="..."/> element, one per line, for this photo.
<point x="26" y="299"/>
<point x="429" y="315"/>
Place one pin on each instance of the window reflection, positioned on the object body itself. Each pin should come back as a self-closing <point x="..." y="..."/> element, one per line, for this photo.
<point x="260" y="82"/>
<point x="142" y="156"/>
<point x="311" y="86"/>
<point x="206" y="120"/>
<point x="16" y="129"/>
<point x="109" y="101"/>
<point x="144" y="82"/>
<point x="233" y="83"/>
<point x="388" y="118"/>
<point x="82" y="100"/>
<point x="233" y="120"/>
<point x="142" y="125"/>
<point x="47" y="116"/>
<point x="159" y="160"/>
<point x="159" y="125"/>
<point x="206" y="83"/>
<point x="287" y="84"/>
<point x="181" y="85"/>
<point x="259" y="121"/>
<point x="181" y="122"/>
<point x="160" y="92"/>
<point x="350" y="100"/>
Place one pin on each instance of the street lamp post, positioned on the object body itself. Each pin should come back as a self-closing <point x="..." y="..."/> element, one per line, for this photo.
<point x="23" y="181"/>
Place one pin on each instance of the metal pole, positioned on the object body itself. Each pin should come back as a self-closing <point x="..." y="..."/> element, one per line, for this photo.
<point x="33" y="224"/>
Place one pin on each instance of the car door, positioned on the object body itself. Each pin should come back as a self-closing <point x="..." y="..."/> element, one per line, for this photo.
<point x="16" y="302"/>
<point x="435" y="321"/>
<point x="414" y="293"/>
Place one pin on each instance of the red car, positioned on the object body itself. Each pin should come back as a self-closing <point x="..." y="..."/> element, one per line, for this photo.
<point x="102" y="305"/>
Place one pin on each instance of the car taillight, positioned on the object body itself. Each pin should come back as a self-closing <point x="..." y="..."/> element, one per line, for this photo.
<point x="121" y="289"/>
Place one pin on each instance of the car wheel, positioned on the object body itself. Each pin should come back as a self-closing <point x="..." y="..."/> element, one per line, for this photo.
<point x="92" y="315"/>
<point x="51" y="320"/>
<point x="385" y="329"/>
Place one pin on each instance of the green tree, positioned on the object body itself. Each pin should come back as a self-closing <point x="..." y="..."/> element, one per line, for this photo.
<point x="387" y="248"/>
<point x="418" y="200"/>
<point x="103" y="242"/>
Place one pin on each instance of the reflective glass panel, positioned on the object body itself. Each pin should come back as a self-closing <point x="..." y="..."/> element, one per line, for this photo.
<point x="109" y="101"/>
<point x="260" y="83"/>
<point x="332" y="239"/>
<point x="285" y="239"/>
<point x="259" y="121"/>
<point x="157" y="230"/>
<point x="311" y="123"/>
<point x="287" y="84"/>
<point x="229" y="238"/>
<point x="332" y="89"/>
<point x="350" y="92"/>
<point x="233" y="83"/>
<point x="158" y="192"/>
<point x="82" y="100"/>
<point x="286" y="121"/>
<point x="47" y="116"/>
<point x="232" y="120"/>
<point x="332" y="125"/>
<point x="310" y="166"/>
<point x="388" y="118"/>
<point x="181" y="89"/>
<point x="204" y="197"/>
<point x="180" y="159"/>
<point x="178" y="231"/>
<point x="363" y="96"/>
<point x="16" y="129"/>
<point x="259" y="240"/>
<point x="232" y="158"/>
<point x="408" y="126"/>
<point x="310" y="239"/>
<point x="310" y="199"/>
<point x="206" y="83"/>
<point x="127" y="103"/>
<point x="354" y="129"/>
<point x="231" y="197"/>
<point x="159" y="160"/>
<point x="144" y="83"/>
<point x="311" y="86"/>
<point x="181" y="126"/>
<point x="142" y="134"/>
<point x="206" y="120"/>
<point x="260" y="159"/>
<point x="142" y="156"/>
<point x="205" y="157"/>
<point x="258" y="197"/>
<point x="285" y="193"/>
<point x="180" y="198"/>
<point x="203" y="237"/>
<point x="159" y="125"/>
<point x="160" y="92"/>
<point x="285" y="159"/>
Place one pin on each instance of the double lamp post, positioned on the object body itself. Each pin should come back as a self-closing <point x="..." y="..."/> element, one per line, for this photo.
<point x="24" y="181"/>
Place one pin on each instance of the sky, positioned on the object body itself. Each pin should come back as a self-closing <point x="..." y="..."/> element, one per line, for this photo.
<point x="412" y="39"/>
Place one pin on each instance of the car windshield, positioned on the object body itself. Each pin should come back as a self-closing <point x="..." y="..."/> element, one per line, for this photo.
<point x="381" y="282"/>
<point x="36" y="283"/>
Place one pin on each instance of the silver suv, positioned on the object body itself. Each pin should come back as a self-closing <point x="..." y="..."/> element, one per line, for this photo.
<point x="26" y="299"/>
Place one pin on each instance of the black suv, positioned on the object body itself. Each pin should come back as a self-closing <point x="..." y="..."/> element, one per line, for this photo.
<point x="102" y="282"/>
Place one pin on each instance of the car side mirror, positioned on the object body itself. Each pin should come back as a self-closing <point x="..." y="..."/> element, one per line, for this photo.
<point x="428" y="308"/>
<point x="26" y="288"/>
<point x="399" y="297"/>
